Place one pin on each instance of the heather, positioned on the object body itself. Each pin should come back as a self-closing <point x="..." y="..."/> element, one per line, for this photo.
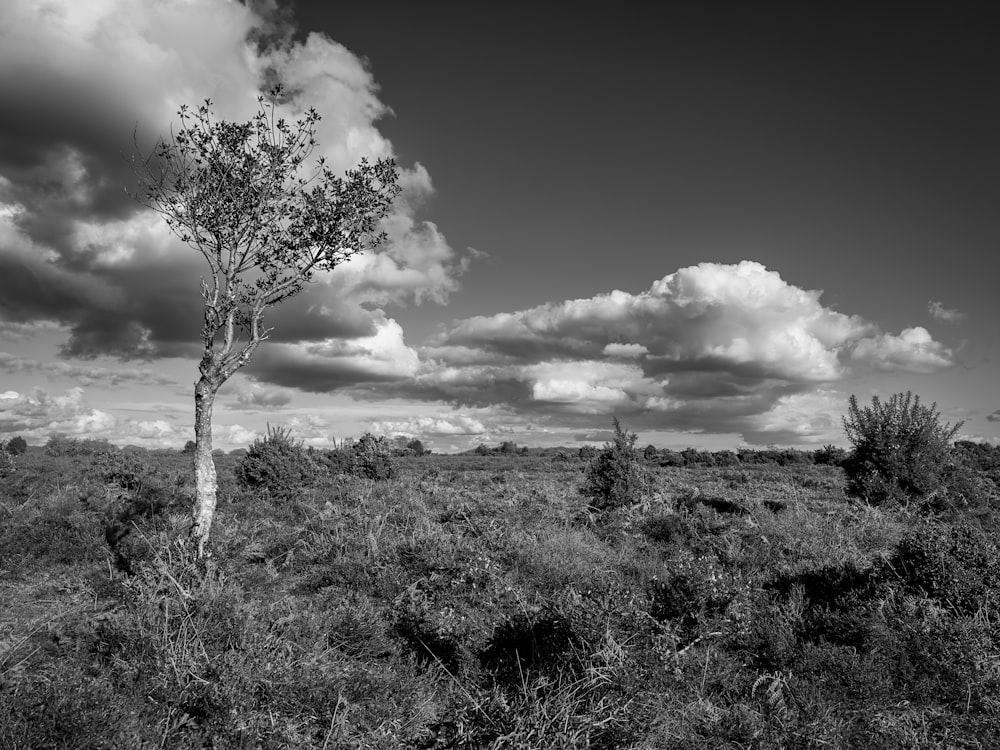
<point x="505" y="599"/>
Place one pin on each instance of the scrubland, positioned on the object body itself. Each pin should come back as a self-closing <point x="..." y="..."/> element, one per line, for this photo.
<point x="483" y="602"/>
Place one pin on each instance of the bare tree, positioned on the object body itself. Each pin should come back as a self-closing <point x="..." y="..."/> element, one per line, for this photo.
<point x="243" y="195"/>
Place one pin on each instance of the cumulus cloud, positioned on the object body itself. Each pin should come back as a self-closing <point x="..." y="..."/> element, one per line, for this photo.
<point x="810" y="418"/>
<point x="942" y="313"/>
<point x="994" y="417"/>
<point x="327" y="365"/>
<point x="711" y="347"/>
<point x="913" y="350"/>
<point x="75" y="250"/>
<point x="38" y="414"/>
<point x="432" y="426"/>
<point x="257" y="396"/>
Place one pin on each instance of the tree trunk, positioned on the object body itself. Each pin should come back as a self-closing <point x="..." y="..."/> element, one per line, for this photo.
<point x="206" y="483"/>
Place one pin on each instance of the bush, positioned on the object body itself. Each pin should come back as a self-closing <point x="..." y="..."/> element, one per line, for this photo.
<point x="956" y="565"/>
<point x="373" y="458"/>
<point x="125" y="470"/>
<point x="276" y="464"/>
<point x="6" y="462"/>
<point x="901" y="451"/>
<point x="616" y="475"/>
<point x="189" y="447"/>
<point x="16" y="446"/>
<point x="829" y="455"/>
<point x="60" y="445"/>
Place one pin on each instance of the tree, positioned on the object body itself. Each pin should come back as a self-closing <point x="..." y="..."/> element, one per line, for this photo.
<point x="17" y="445"/>
<point x="508" y="448"/>
<point x="616" y="475"/>
<point x="266" y="221"/>
<point x="901" y="450"/>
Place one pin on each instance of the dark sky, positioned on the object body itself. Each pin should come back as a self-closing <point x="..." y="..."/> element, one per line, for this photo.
<point x="845" y="145"/>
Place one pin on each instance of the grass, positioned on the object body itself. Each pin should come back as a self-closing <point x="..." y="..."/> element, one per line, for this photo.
<point x="478" y="602"/>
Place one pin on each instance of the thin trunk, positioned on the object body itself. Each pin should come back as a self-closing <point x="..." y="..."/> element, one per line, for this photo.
<point x="206" y="483"/>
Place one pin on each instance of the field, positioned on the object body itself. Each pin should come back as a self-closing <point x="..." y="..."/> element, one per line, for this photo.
<point x="478" y="602"/>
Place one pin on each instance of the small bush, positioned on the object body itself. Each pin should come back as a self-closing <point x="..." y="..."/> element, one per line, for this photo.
<point x="125" y="470"/>
<point x="901" y="451"/>
<point x="373" y="458"/>
<point x="829" y="455"/>
<point x="276" y="464"/>
<point x="6" y="462"/>
<point x="340" y="461"/>
<point x="956" y="565"/>
<point x="616" y="476"/>
<point x="16" y="446"/>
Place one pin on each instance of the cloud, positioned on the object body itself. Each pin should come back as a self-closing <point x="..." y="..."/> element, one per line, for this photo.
<point x="15" y="331"/>
<point x="328" y="365"/>
<point x="994" y="417"/>
<point x="432" y="426"/>
<point x="810" y="418"/>
<point x="913" y="350"/>
<point x="84" y="375"/>
<point x="625" y="350"/>
<point x="942" y="313"/>
<point x="710" y="318"/>
<point x="257" y="396"/>
<point x="76" y="251"/>
<point x="712" y="347"/>
<point x="38" y="414"/>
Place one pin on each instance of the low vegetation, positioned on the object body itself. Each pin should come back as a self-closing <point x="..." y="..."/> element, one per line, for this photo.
<point x="490" y="601"/>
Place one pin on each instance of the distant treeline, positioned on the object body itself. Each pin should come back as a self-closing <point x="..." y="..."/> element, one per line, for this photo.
<point x="978" y="456"/>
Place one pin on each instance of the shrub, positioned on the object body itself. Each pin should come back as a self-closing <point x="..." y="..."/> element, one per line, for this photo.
<point x="901" y="451"/>
<point x="276" y="464"/>
<point x="373" y="458"/>
<point x="340" y="461"/>
<point x="829" y="455"/>
<point x="616" y="475"/>
<point x="6" y="462"/>
<point x="60" y="445"/>
<point x="956" y="565"/>
<point x="126" y="470"/>
<point x="508" y="448"/>
<point x="189" y="447"/>
<point x="16" y="446"/>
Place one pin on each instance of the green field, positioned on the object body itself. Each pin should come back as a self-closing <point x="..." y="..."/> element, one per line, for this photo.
<point x="478" y="602"/>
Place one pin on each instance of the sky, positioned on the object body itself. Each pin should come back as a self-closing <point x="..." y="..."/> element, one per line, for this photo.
<point x="716" y="222"/>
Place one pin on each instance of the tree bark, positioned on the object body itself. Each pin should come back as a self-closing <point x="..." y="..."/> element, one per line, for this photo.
<point x="206" y="483"/>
